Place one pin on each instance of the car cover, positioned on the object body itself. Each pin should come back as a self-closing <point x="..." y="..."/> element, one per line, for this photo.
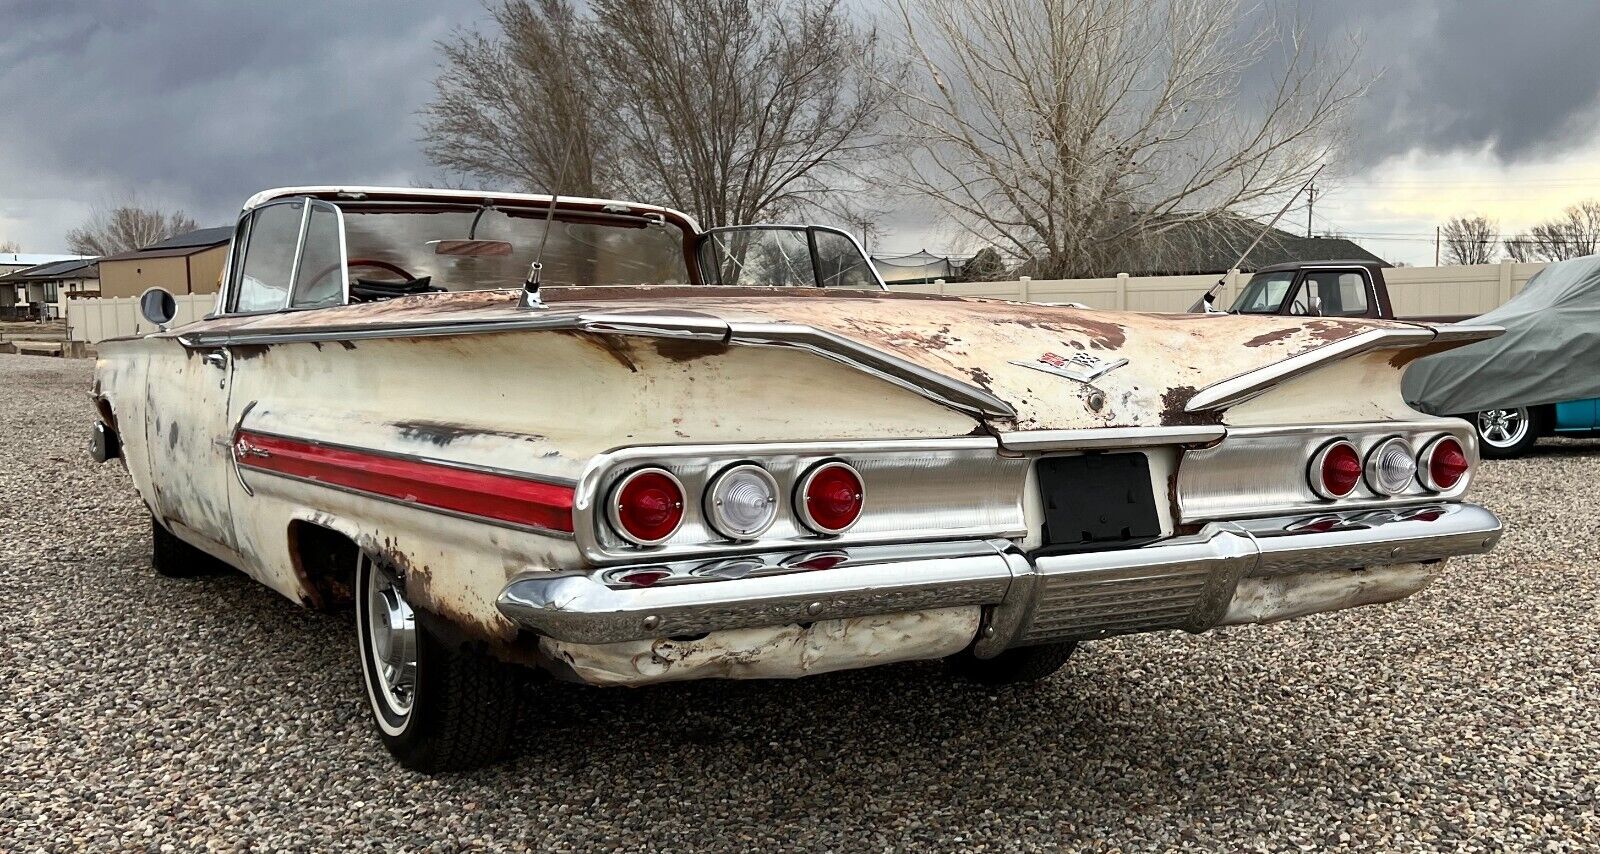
<point x="1549" y="353"/>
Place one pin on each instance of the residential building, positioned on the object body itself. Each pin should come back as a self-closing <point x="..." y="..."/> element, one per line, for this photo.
<point x="44" y="289"/>
<point x="10" y="262"/>
<point x="189" y="263"/>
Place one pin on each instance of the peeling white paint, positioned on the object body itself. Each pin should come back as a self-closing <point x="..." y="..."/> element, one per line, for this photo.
<point x="780" y="652"/>
<point x="1284" y="597"/>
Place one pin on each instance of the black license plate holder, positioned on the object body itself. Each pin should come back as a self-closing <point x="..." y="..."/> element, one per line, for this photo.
<point x="1097" y="501"/>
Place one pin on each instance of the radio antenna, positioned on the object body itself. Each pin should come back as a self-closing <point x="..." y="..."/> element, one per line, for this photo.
<point x="1205" y="302"/>
<point x="530" y="286"/>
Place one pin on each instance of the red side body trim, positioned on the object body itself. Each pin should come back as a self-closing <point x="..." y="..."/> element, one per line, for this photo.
<point x="475" y="493"/>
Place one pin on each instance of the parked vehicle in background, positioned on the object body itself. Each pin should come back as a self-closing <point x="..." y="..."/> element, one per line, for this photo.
<point x="1357" y="289"/>
<point x="588" y="437"/>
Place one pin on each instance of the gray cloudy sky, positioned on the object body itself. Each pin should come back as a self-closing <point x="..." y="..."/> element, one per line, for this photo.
<point x="1486" y="107"/>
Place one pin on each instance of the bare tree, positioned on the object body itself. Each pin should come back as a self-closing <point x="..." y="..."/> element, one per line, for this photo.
<point x="1071" y="131"/>
<point x="1520" y="248"/>
<point x="124" y="227"/>
<point x="1572" y="235"/>
<point x="10" y="247"/>
<point x="1469" y="240"/>
<point x="522" y="106"/>
<point x="733" y="110"/>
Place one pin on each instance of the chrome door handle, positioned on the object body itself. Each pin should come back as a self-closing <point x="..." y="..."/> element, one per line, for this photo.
<point x="217" y="359"/>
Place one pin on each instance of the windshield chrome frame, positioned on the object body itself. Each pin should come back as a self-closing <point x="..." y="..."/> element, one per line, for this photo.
<point x="811" y="244"/>
<point x="233" y="267"/>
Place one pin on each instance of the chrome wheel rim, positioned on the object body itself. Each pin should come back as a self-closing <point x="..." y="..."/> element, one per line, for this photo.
<point x="1503" y="428"/>
<point x="390" y="634"/>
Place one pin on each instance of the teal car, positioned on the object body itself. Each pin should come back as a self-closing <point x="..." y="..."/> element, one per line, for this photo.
<point x="1511" y="431"/>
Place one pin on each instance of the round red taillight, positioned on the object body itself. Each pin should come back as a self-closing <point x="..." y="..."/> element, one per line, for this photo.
<point x="830" y="498"/>
<point x="1335" y="470"/>
<point x="1443" y="464"/>
<point x="647" y="506"/>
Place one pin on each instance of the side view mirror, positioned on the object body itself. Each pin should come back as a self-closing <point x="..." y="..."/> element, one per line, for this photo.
<point x="158" y="306"/>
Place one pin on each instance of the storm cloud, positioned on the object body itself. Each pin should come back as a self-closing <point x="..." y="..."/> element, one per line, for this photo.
<point x="198" y="105"/>
<point x="1518" y="79"/>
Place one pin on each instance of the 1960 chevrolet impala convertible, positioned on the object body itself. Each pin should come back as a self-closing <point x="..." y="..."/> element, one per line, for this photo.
<point x="462" y="414"/>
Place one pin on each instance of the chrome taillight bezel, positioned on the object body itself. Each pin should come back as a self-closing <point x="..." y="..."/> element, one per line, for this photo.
<point x="613" y="506"/>
<point x="721" y="525"/>
<point x="1314" y="470"/>
<point x="802" y="490"/>
<point x="1425" y="464"/>
<point x="1370" y="465"/>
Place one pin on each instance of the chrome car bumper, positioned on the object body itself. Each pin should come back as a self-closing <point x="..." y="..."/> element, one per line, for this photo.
<point x="1188" y="582"/>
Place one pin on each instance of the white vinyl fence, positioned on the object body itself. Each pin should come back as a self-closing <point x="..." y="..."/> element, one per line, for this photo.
<point x="1415" y="291"/>
<point x="94" y="320"/>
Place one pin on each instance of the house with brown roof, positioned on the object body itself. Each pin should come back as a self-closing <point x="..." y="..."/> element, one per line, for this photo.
<point x="189" y="263"/>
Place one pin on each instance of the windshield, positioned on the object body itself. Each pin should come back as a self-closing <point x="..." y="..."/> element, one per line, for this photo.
<point x="1264" y="293"/>
<point x="780" y="256"/>
<point x="579" y="250"/>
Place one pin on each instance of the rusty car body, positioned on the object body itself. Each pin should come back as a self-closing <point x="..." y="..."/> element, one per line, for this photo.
<point x="758" y="463"/>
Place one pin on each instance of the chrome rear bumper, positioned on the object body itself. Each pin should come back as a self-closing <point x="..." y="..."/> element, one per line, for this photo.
<point x="1185" y="582"/>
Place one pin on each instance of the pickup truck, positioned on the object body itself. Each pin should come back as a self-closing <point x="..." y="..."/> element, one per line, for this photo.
<point x="1356" y="289"/>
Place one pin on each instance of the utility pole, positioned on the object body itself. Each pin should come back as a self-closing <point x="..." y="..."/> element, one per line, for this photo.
<point x="1311" y="203"/>
<point x="1436" y="246"/>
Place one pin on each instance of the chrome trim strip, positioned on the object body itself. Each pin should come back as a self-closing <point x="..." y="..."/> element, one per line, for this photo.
<point x="409" y="457"/>
<point x="935" y="386"/>
<point x="659" y="323"/>
<point x="1466" y="333"/>
<point x="1095" y="438"/>
<point x="242" y="467"/>
<point x="1251" y="383"/>
<point x="885" y="366"/>
<point x="475" y="197"/>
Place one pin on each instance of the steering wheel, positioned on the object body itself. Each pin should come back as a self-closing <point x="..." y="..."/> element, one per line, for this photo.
<point x="362" y="262"/>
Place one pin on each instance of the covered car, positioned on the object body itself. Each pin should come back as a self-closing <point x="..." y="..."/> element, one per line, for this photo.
<point x="1541" y="377"/>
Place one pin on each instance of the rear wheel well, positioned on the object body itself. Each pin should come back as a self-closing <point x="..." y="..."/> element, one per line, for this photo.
<point x="325" y="561"/>
<point x="102" y="407"/>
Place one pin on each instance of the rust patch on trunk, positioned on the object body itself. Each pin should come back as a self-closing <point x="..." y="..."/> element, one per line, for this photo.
<point x="246" y="352"/>
<point x="1270" y="337"/>
<point x="982" y="378"/>
<point x="613" y="346"/>
<point x="688" y="349"/>
<point x="1329" y="331"/>
<point x="1411" y="354"/>
<point x="1101" y="334"/>
<point x="1174" y="414"/>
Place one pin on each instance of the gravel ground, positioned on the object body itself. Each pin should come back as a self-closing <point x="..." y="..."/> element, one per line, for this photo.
<point x="156" y="714"/>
